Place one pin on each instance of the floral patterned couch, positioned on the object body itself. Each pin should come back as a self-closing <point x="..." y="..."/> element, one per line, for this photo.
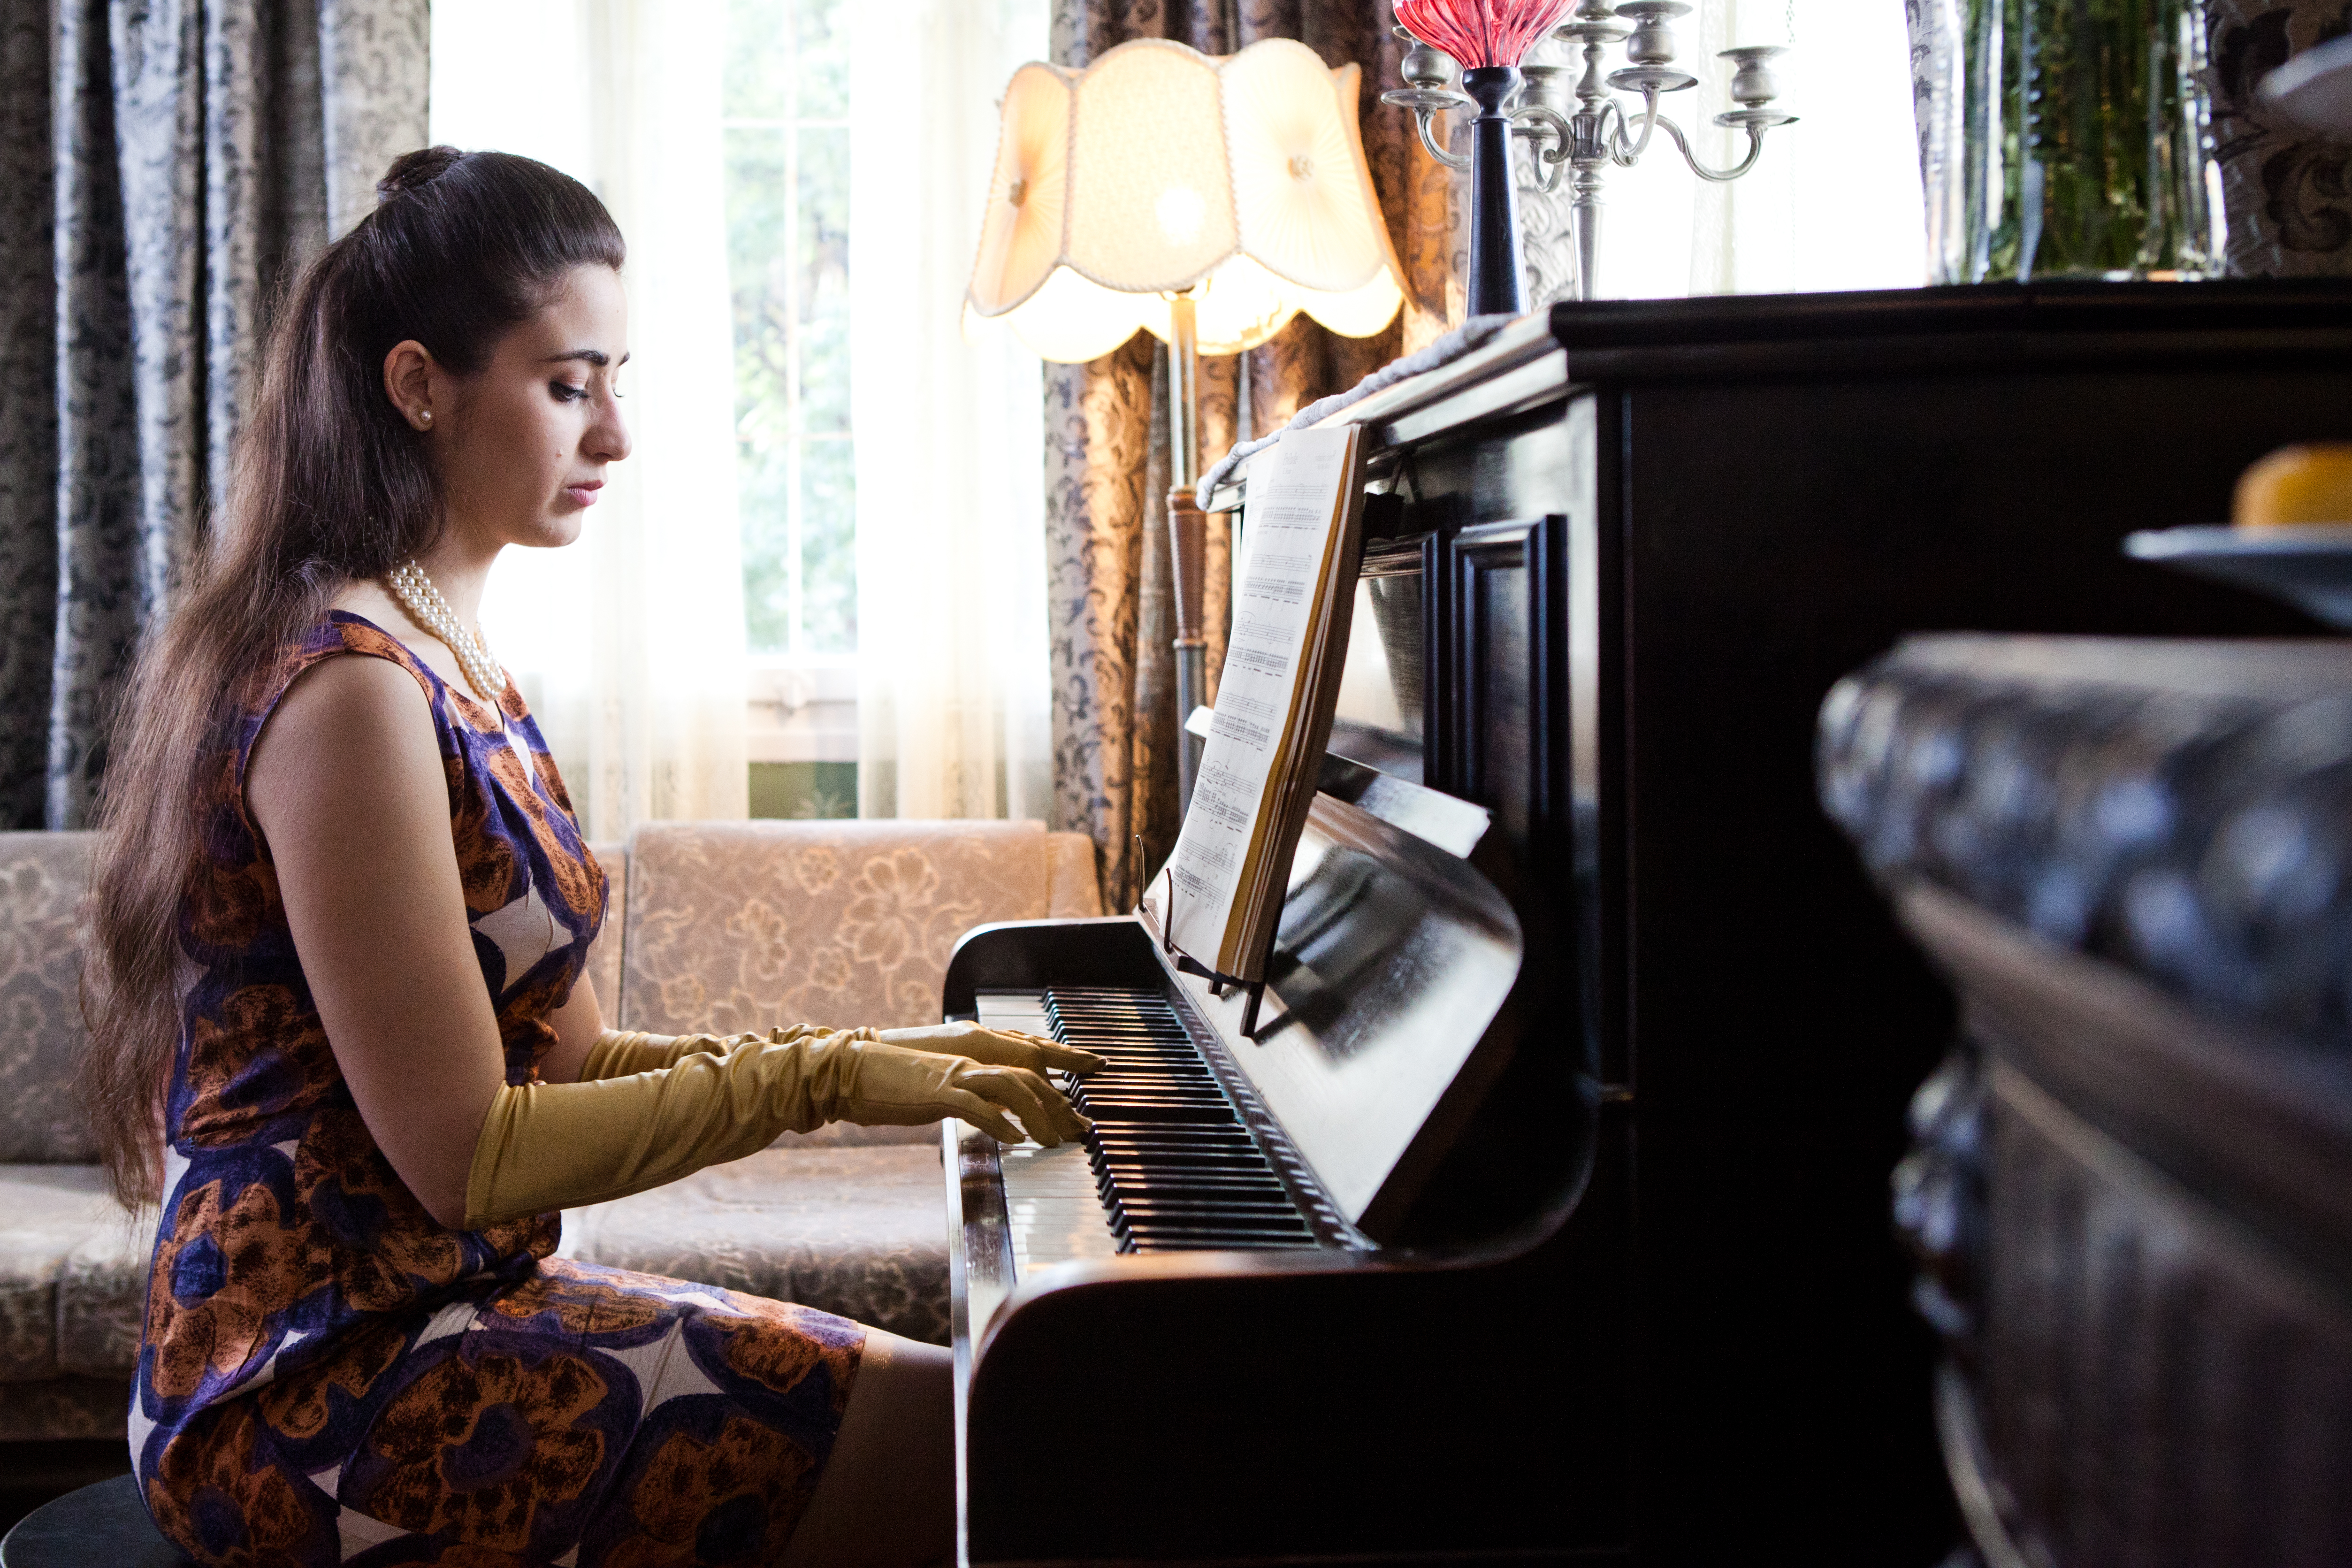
<point x="719" y="926"/>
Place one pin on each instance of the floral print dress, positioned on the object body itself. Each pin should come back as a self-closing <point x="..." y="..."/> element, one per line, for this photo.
<point x="327" y="1373"/>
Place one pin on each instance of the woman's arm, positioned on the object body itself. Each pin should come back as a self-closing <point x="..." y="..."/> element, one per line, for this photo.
<point x="577" y="1023"/>
<point x="346" y="783"/>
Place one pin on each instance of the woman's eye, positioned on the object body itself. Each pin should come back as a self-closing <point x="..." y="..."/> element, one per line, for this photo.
<point x="564" y="392"/>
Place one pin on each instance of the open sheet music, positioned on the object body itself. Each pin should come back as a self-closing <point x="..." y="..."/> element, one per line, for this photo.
<point x="1225" y="883"/>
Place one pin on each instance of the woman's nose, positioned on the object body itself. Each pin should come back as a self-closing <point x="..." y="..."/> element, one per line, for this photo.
<point x="608" y="437"/>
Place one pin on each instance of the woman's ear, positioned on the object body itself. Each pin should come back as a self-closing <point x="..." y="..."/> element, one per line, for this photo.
<point x="408" y="378"/>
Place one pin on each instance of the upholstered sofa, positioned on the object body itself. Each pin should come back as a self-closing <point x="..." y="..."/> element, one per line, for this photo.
<point x="713" y="926"/>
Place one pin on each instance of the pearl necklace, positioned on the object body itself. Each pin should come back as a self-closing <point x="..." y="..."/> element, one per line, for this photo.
<point x="424" y="605"/>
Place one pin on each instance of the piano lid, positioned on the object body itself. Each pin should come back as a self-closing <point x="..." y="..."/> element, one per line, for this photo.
<point x="1392" y="959"/>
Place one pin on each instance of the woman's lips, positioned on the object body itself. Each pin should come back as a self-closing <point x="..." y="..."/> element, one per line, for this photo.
<point x="583" y="495"/>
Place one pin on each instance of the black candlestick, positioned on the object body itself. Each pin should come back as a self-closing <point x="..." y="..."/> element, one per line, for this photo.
<point x="1495" y="286"/>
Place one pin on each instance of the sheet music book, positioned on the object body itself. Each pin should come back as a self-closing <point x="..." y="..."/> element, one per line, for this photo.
<point x="1223" y="887"/>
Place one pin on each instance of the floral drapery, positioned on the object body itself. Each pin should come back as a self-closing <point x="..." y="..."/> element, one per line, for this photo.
<point x="1111" y="614"/>
<point x="2288" y="190"/>
<point x="167" y="164"/>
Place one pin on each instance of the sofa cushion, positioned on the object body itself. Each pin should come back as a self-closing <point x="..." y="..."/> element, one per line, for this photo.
<point x="861" y="1232"/>
<point x="73" y="1275"/>
<point x="43" y="877"/>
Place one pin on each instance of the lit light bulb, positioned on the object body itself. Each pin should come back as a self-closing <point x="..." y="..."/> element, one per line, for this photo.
<point x="1179" y="211"/>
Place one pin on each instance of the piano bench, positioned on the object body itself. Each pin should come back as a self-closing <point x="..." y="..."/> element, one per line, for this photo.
<point x="853" y="1228"/>
<point x="102" y="1522"/>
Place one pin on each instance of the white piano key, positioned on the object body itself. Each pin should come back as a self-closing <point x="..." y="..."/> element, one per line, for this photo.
<point x="1049" y="1194"/>
<point x="1021" y="1010"/>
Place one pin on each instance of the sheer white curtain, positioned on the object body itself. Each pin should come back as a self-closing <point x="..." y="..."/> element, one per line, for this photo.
<point x="628" y="645"/>
<point x="1835" y="202"/>
<point x="952" y="683"/>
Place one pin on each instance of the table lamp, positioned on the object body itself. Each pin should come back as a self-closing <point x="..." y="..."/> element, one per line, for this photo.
<point x="1206" y="200"/>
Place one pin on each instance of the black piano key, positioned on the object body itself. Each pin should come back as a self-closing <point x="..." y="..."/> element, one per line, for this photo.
<point x="1210" y="1192"/>
<point x="1174" y="1163"/>
<point x="1148" y="1235"/>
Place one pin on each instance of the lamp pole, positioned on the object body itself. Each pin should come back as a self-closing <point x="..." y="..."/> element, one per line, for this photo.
<point x="1188" y="533"/>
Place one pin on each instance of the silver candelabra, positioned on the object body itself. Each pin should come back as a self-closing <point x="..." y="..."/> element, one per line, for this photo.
<point x="1583" y="141"/>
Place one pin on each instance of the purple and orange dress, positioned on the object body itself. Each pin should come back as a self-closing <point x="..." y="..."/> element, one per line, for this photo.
<point x="327" y="1373"/>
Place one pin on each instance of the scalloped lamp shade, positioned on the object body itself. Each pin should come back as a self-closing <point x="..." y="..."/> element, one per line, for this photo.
<point x="1158" y="168"/>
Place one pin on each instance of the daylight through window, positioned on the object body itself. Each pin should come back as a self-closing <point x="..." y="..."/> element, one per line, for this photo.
<point x="787" y="148"/>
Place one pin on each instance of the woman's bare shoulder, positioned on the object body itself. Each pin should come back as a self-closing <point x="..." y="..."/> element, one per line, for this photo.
<point x="349" y="716"/>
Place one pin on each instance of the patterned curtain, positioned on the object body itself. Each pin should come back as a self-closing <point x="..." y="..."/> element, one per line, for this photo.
<point x="1111" y="609"/>
<point x="2288" y="190"/>
<point x="168" y="162"/>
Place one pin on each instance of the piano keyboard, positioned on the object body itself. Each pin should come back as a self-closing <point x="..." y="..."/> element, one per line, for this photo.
<point x="1170" y="1165"/>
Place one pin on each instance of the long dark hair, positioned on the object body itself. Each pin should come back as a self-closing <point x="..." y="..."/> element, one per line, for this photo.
<point x="330" y="485"/>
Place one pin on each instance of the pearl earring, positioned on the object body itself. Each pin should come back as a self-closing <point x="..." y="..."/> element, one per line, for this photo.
<point x="426" y="416"/>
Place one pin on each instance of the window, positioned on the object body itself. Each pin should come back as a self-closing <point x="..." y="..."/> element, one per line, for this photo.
<point x="786" y="128"/>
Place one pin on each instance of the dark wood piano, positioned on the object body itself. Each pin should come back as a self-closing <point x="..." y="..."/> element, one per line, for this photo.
<point x="1544" y="1219"/>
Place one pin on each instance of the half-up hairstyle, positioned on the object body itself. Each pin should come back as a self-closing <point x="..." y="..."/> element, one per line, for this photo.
<point x="328" y="485"/>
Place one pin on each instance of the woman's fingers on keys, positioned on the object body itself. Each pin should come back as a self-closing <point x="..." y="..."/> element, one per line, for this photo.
<point x="1050" y="1119"/>
<point x="968" y="1106"/>
<point x="1019" y="1049"/>
<point x="1054" y="1054"/>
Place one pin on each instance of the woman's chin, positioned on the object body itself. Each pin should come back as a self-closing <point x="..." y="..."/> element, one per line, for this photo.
<point x="554" y="532"/>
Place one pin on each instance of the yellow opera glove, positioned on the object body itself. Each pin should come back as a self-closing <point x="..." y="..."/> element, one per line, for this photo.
<point x="997" y="1048"/>
<point x="559" y="1145"/>
<point x="617" y="1053"/>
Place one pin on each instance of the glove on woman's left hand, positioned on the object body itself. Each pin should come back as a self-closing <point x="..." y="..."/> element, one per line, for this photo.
<point x="994" y="1047"/>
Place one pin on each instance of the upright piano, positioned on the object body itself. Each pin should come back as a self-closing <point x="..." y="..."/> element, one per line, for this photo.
<point x="1543" y="1217"/>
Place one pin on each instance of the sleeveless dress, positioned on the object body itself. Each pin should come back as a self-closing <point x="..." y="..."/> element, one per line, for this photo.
<point x="327" y="1373"/>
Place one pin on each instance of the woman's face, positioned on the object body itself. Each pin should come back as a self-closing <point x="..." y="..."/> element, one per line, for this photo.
<point x="522" y="447"/>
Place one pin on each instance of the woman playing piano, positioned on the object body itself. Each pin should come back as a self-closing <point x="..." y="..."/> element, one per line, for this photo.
<point x="342" y="1030"/>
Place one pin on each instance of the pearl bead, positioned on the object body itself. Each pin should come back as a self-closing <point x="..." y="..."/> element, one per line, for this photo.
<point x="416" y="594"/>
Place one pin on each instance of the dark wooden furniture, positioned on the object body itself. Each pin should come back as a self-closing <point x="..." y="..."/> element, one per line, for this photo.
<point x="1617" y="558"/>
<point x="2131" y="1186"/>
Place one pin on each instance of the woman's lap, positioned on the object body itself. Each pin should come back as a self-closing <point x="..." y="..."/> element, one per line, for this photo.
<point x="633" y="1419"/>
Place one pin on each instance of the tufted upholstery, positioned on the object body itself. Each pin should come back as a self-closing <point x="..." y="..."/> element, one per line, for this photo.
<point x="719" y="926"/>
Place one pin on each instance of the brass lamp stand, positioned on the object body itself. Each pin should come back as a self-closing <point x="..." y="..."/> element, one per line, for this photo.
<point x="1188" y="534"/>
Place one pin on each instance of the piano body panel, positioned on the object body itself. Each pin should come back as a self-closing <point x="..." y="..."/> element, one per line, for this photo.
<point x="1752" y="496"/>
<point x="1311" y="1416"/>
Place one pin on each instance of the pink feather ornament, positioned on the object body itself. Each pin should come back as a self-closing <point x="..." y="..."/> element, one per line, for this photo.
<point x="1481" y="32"/>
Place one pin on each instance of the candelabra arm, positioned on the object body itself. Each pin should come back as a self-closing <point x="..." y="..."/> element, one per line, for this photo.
<point x="1624" y="149"/>
<point x="1420" y="120"/>
<point x="1552" y="162"/>
<point x="1719" y="176"/>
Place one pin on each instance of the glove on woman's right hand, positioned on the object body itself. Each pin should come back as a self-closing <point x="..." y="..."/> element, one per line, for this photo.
<point x="893" y="1086"/>
<point x="995" y="1047"/>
